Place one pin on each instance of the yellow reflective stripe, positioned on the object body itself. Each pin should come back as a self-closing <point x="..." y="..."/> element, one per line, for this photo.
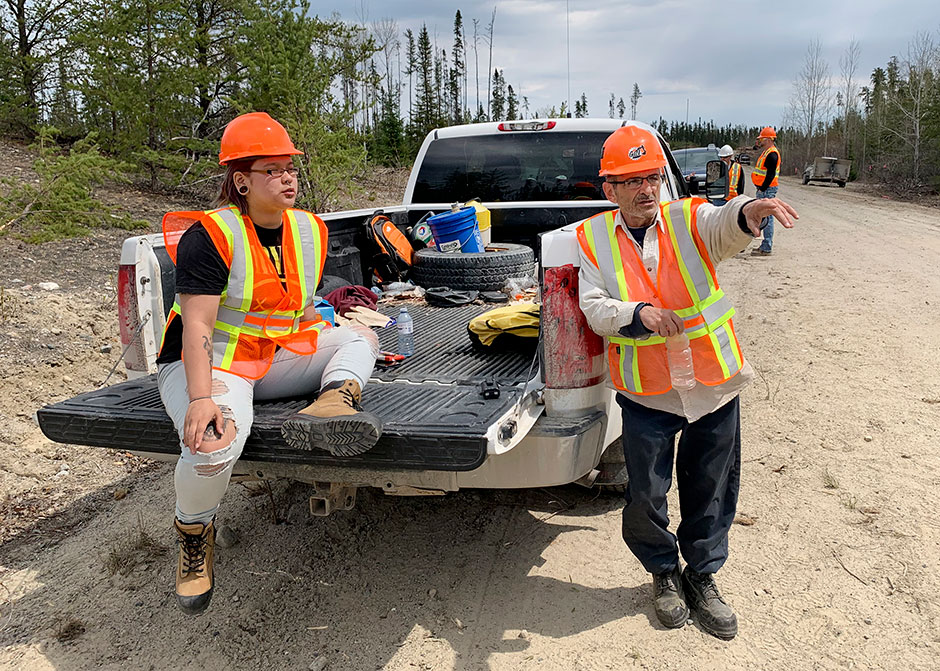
<point x="178" y="310"/>
<point x="298" y="252"/>
<point x="634" y="342"/>
<point x="227" y="328"/>
<point x="734" y="350"/>
<point x="687" y="312"/>
<point x="717" y="346"/>
<point x="671" y="228"/>
<point x="589" y="234"/>
<point x="241" y="253"/>
<point x="223" y="347"/>
<point x="615" y="254"/>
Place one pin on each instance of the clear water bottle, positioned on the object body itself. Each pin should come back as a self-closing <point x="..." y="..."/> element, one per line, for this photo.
<point x="406" y="333"/>
<point x="679" y="355"/>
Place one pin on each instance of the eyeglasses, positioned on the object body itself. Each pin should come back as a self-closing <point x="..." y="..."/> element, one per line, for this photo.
<point x="278" y="172"/>
<point x="636" y="182"/>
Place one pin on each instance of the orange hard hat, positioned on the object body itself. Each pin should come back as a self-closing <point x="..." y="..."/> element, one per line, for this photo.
<point x="631" y="149"/>
<point x="768" y="131"/>
<point x="255" y="134"/>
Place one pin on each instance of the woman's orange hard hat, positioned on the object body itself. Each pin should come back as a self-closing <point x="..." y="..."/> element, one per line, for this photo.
<point x="631" y="149"/>
<point x="255" y="134"/>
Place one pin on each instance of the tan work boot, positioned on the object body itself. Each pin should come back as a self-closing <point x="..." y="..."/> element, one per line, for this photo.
<point x="335" y="422"/>
<point x="194" y="580"/>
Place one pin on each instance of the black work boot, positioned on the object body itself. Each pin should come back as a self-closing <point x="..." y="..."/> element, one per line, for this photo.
<point x="668" y="599"/>
<point x="712" y="611"/>
<point x="335" y="422"/>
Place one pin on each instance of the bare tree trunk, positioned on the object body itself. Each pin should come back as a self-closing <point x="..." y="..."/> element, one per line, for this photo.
<point x="476" y="59"/>
<point x="812" y="97"/>
<point x="489" y="69"/>
<point x="848" y="64"/>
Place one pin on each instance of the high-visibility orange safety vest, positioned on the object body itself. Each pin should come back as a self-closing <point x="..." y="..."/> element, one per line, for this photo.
<point x="256" y="313"/>
<point x="760" y="168"/>
<point x="685" y="283"/>
<point x="734" y="179"/>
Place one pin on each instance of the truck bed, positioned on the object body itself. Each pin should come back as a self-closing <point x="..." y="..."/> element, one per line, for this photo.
<point x="434" y="415"/>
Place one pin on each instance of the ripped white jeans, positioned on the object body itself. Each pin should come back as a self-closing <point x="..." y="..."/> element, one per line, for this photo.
<point x="202" y="478"/>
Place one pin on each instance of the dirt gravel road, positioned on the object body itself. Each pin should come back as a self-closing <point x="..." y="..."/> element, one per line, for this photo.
<point x="835" y="559"/>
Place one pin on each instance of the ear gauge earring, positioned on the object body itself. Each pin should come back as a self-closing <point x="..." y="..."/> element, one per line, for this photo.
<point x="243" y="189"/>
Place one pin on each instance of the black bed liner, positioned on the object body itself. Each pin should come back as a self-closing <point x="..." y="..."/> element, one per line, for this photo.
<point x="434" y="415"/>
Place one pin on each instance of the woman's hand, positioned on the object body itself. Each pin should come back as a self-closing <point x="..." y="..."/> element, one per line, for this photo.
<point x="203" y="423"/>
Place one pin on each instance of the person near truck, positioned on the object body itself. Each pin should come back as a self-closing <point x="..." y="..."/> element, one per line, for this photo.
<point x="244" y="328"/>
<point x="647" y="275"/>
<point x="764" y="175"/>
<point x="735" y="185"/>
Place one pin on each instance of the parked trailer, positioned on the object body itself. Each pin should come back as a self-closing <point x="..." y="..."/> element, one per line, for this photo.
<point x="828" y="169"/>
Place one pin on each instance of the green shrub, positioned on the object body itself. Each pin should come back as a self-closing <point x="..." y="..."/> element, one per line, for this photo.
<point x="61" y="202"/>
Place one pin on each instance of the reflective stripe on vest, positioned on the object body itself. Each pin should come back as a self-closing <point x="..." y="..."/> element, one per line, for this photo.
<point x="706" y="320"/>
<point x="760" y="168"/>
<point x="734" y="180"/>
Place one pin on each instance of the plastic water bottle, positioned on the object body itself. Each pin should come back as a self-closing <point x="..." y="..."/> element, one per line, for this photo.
<point x="406" y="333"/>
<point x="679" y="355"/>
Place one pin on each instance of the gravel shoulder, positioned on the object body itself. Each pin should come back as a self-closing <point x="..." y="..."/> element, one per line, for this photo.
<point x="834" y="560"/>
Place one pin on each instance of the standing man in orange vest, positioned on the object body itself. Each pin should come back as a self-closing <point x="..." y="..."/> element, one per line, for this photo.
<point x="735" y="185"/>
<point x="648" y="285"/>
<point x="764" y="177"/>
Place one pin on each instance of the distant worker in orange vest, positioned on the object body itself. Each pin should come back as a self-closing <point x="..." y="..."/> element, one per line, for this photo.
<point x="244" y="327"/>
<point x="735" y="185"/>
<point x="648" y="285"/>
<point x="764" y="176"/>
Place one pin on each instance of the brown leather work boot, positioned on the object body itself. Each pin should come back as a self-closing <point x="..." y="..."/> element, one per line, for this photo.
<point x="194" y="580"/>
<point x="335" y="422"/>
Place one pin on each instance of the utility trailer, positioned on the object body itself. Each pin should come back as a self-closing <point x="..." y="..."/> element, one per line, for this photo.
<point x="828" y="169"/>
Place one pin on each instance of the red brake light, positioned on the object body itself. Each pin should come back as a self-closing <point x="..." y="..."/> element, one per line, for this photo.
<point x="129" y="318"/>
<point x="525" y="125"/>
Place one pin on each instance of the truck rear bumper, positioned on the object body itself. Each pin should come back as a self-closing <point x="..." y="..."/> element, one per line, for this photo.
<point x="556" y="451"/>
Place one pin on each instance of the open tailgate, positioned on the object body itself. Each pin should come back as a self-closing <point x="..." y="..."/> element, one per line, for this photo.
<point x="434" y="415"/>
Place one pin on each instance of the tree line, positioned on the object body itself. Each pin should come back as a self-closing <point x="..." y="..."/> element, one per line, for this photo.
<point x="888" y="124"/>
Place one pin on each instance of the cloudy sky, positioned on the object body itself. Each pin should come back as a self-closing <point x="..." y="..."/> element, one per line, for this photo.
<point x="732" y="61"/>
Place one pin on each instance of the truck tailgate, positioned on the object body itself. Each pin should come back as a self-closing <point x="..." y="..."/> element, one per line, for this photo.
<point x="433" y="413"/>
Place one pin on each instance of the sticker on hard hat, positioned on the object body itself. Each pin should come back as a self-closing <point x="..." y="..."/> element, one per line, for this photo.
<point x="636" y="153"/>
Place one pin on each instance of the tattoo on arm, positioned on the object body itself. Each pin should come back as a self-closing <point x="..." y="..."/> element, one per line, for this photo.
<point x="206" y="345"/>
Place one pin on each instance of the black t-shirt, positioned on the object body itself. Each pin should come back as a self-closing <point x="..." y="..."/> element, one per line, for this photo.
<point x="200" y="270"/>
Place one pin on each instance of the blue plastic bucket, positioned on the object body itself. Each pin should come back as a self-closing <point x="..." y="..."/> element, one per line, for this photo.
<point x="456" y="231"/>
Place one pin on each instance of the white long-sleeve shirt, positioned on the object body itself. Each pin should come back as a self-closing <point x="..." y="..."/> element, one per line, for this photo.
<point x="723" y="238"/>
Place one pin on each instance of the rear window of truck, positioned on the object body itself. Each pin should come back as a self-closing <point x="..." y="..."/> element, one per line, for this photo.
<point x="512" y="166"/>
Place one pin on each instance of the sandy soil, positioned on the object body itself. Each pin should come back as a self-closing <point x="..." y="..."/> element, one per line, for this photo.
<point x="834" y="561"/>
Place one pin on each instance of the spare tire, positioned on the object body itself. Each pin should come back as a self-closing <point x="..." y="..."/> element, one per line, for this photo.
<point x="482" y="271"/>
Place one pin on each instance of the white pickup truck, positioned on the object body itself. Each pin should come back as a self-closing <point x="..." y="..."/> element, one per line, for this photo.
<point x="554" y="420"/>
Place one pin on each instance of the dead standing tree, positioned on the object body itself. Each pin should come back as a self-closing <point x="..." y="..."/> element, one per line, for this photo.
<point x="848" y="66"/>
<point x="811" y="101"/>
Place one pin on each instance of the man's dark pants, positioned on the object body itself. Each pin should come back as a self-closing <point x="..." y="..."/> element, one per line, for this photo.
<point x="708" y="470"/>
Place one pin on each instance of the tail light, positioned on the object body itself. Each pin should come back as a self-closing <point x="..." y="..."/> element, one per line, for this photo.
<point x="129" y="319"/>
<point x="573" y="355"/>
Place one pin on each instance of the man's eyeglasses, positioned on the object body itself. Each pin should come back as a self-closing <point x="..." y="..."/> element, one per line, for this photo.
<point x="278" y="172"/>
<point x="636" y="182"/>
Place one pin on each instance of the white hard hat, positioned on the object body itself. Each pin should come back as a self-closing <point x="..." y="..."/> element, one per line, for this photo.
<point x="725" y="151"/>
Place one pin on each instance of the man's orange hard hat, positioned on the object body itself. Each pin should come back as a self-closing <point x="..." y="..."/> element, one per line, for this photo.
<point x="768" y="131"/>
<point x="631" y="149"/>
<point x="255" y="134"/>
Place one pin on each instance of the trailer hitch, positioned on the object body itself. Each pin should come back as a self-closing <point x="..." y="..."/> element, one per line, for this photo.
<point x="328" y="497"/>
